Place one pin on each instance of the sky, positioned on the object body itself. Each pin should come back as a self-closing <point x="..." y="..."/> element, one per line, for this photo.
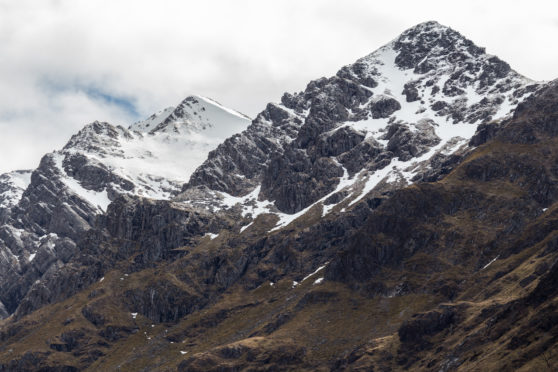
<point x="66" y="63"/>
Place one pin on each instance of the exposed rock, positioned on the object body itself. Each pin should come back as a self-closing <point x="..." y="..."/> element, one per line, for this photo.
<point x="383" y="107"/>
<point x="163" y="301"/>
<point x="414" y="330"/>
<point x="406" y="144"/>
<point x="248" y="354"/>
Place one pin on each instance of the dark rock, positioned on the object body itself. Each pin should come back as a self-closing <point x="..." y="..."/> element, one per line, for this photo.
<point x="163" y="301"/>
<point x="484" y="133"/>
<point x="383" y="107"/>
<point x="406" y="144"/>
<point x="414" y="330"/>
<point x="411" y="92"/>
<point x="341" y="141"/>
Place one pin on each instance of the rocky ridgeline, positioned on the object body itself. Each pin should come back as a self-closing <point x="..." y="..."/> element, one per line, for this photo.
<point x="423" y="93"/>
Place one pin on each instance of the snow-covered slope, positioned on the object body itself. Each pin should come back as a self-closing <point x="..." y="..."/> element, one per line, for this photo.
<point x="12" y="186"/>
<point x="390" y="119"/>
<point x="155" y="157"/>
<point x="195" y="115"/>
<point x="152" y="159"/>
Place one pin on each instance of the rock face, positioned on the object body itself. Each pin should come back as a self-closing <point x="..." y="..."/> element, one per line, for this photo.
<point x="419" y="97"/>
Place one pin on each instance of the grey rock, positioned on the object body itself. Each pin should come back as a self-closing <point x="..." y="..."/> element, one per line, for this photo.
<point x="383" y="107"/>
<point x="406" y="144"/>
<point x="294" y="181"/>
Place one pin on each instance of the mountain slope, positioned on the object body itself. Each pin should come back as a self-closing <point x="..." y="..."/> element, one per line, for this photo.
<point x="62" y="199"/>
<point x="396" y="216"/>
<point x="451" y="275"/>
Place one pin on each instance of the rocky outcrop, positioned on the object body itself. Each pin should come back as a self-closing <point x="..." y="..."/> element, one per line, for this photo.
<point x="414" y="330"/>
<point x="163" y="301"/>
<point x="248" y="354"/>
<point x="149" y="230"/>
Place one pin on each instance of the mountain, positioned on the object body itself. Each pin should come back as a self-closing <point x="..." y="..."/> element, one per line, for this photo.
<point x="394" y="117"/>
<point x="47" y="211"/>
<point x="399" y="215"/>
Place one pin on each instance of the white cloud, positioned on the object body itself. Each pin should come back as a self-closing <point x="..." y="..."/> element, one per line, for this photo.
<point x="60" y="59"/>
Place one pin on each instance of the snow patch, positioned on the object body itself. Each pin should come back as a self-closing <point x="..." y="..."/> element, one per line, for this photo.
<point x="318" y="281"/>
<point x="211" y="235"/>
<point x="490" y="263"/>
<point x="245" y="227"/>
<point x="315" y="272"/>
<point x="98" y="200"/>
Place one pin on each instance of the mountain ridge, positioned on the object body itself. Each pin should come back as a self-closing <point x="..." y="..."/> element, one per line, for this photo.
<point x="385" y="218"/>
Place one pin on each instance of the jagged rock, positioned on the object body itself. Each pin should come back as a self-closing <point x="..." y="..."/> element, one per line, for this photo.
<point x="163" y="301"/>
<point x="397" y="248"/>
<point x="383" y="107"/>
<point x="152" y="229"/>
<point x="411" y="92"/>
<point x="356" y="158"/>
<point x="294" y="182"/>
<point x="485" y="132"/>
<point x="405" y="144"/>
<point x="341" y="141"/>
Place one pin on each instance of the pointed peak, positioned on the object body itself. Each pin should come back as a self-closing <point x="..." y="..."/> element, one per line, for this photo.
<point x="429" y="25"/>
<point x="192" y="99"/>
<point x="203" y="102"/>
<point x="430" y="34"/>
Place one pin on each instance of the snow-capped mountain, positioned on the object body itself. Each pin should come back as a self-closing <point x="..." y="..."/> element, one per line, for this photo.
<point x="152" y="159"/>
<point x="393" y="117"/>
<point x="402" y="114"/>
<point x="45" y="212"/>
<point x="195" y="224"/>
<point x="155" y="157"/>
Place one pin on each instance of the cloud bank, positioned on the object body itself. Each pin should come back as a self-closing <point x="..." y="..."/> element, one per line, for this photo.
<point x="65" y="63"/>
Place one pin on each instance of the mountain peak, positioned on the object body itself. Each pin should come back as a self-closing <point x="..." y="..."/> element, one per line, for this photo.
<point x="194" y="114"/>
<point x="419" y="44"/>
<point x="429" y="25"/>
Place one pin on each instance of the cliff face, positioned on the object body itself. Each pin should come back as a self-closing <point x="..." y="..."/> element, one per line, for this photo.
<point x="397" y="216"/>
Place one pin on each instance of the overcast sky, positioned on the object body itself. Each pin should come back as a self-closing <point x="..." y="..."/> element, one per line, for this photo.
<point x="65" y="63"/>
